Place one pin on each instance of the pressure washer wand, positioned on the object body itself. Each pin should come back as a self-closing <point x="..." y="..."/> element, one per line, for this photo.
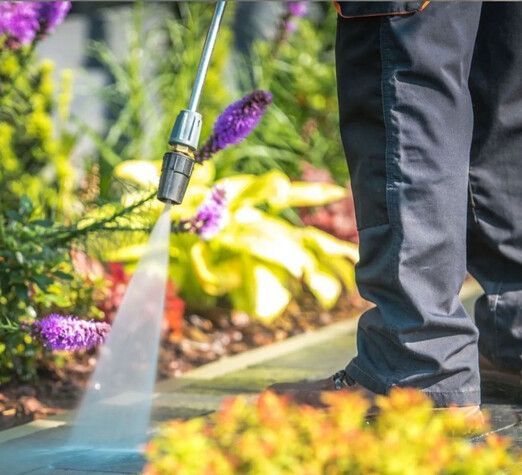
<point x="178" y="163"/>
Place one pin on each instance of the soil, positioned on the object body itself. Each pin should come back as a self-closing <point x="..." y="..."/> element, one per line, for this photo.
<point x="205" y="337"/>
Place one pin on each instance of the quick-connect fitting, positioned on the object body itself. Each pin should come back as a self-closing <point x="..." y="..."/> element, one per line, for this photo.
<point x="186" y="130"/>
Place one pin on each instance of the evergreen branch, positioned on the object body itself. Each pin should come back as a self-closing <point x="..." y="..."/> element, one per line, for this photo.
<point x="64" y="234"/>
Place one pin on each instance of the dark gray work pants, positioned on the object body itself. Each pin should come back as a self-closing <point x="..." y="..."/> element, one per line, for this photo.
<point x="431" y="121"/>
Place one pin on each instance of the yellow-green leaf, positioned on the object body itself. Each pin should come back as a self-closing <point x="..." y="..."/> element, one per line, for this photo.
<point x="325" y="285"/>
<point x="270" y="296"/>
<point x="127" y="254"/>
<point x="270" y="239"/>
<point x="140" y="172"/>
<point x="271" y="188"/>
<point x="204" y="173"/>
<point x="303" y="193"/>
<point x="344" y="269"/>
<point x="234" y="186"/>
<point x="327" y="244"/>
<point x="215" y="278"/>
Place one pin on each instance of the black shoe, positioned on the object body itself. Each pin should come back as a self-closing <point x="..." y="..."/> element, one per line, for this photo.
<point x="497" y="382"/>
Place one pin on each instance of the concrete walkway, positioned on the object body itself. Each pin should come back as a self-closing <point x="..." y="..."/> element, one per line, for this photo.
<point x="36" y="448"/>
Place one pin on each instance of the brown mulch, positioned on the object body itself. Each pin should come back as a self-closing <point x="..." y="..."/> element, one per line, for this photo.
<point x="206" y="337"/>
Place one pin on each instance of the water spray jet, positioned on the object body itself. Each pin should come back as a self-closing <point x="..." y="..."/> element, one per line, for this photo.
<point x="115" y="411"/>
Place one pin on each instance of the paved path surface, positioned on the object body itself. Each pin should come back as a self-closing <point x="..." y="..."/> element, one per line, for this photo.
<point x="36" y="448"/>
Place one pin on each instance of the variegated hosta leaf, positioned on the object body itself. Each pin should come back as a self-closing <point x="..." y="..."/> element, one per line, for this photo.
<point x="271" y="188"/>
<point x="235" y="186"/>
<point x="267" y="238"/>
<point x="250" y="190"/>
<point x="344" y="269"/>
<point x="215" y="278"/>
<point x="264" y="294"/>
<point x="303" y="193"/>
<point x="323" y="284"/>
<point x="325" y="243"/>
<point x="144" y="173"/>
<point x="271" y="296"/>
<point x="204" y="173"/>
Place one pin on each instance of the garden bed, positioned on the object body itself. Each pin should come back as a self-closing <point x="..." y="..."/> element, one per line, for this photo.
<point x="206" y="336"/>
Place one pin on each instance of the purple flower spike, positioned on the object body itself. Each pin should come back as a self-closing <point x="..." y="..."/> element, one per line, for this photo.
<point x="209" y="218"/>
<point x="59" y="332"/>
<point x="19" y="22"/>
<point x="297" y="9"/>
<point x="22" y="22"/>
<point x="51" y="14"/>
<point x="236" y="123"/>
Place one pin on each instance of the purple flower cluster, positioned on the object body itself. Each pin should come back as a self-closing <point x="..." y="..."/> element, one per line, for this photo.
<point x="294" y="10"/>
<point x="235" y="123"/>
<point x="22" y="22"/>
<point x="59" y="332"/>
<point x="297" y="9"/>
<point x="209" y="217"/>
<point x="51" y="14"/>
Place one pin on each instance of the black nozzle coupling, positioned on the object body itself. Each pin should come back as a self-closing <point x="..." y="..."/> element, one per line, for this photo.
<point x="175" y="175"/>
<point x="179" y="162"/>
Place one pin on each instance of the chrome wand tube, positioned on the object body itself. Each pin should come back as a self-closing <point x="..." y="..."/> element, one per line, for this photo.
<point x="178" y="163"/>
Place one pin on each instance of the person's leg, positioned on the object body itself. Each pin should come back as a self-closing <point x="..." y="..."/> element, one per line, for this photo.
<point x="406" y="124"/>
<point x="495" y="218"/>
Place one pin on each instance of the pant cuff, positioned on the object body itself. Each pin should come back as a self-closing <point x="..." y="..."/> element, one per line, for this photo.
<point x="439" y="398"/>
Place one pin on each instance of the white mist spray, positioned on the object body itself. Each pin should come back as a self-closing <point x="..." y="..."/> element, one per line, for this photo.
<point x="115" y="411"/>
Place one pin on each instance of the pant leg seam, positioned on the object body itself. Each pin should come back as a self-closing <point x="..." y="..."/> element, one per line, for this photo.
<point x="393" y="174"/>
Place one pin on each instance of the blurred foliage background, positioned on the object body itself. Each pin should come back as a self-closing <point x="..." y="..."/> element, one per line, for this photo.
<point x="68" y="213"/>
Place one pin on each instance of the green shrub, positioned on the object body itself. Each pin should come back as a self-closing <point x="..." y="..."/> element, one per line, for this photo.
<point x="274" y="436"/>
<point x="29" y="266"/>
<point x="34" y="151"/>
<point x="37" y="195"/>
<point x="37" y="277"/>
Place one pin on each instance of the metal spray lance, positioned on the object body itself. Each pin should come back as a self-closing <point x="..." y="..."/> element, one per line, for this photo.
<point x="178" y="162"/>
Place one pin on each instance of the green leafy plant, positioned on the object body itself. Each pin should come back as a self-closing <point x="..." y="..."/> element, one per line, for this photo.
<point x="276" y="436"/>
<point x="259" y="259"/>
<point x="37" y="276"/>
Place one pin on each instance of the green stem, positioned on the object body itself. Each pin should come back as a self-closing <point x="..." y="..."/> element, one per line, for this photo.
<point x="73" y="232"/>
<point x="9" y="327"/>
